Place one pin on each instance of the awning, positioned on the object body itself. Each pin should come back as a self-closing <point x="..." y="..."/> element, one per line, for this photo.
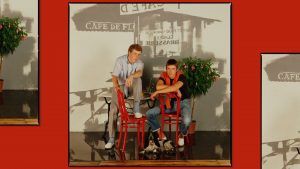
<point x="286" y="69"/>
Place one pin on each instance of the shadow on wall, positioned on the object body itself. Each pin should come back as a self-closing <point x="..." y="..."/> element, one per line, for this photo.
<point x="283" y="148"/>
<point x="162" y="33"/>
<point x="285" y="69"/>
<point x="91" y="97"/>
<point x="20" y="70"/>
<point x="206" y="114"/>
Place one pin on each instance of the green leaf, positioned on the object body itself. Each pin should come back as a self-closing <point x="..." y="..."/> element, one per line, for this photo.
<point x="9" y="36"/>
<point x="200" y="79"/>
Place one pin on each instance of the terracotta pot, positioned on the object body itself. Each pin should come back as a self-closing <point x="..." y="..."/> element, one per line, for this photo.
<point x="192" y="127"/>
<point x="1" y="84"/>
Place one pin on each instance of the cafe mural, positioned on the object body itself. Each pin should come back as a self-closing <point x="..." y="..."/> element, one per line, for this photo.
<point x="162" y="33"/>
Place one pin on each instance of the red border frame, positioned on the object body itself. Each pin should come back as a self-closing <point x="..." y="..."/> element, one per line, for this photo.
<point x="257" y="25"/>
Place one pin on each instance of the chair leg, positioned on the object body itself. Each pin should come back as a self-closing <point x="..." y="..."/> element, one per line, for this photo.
<point x="143" y="133"/>
<point x="125" y="138"/>
<point x="170" y="127"/>
<point x="120" y="135"/>
<point x="138" y="133"/>
<point x="162" y="127"/>
<point x="177" y="131"/>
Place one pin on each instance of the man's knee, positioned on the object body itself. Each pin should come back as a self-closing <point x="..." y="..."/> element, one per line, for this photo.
<point x="148" y="114"/>
<point x="187" y="121"/>
<point x="186" y="117"/>
<point x="152" y="112"/>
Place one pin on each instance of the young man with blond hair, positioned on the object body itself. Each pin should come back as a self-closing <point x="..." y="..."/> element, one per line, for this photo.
<point x="126" y="76"/>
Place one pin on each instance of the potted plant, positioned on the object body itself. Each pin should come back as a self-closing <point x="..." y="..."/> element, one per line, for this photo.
<point x="200" y="76"/>
<point x="11" y="33"/>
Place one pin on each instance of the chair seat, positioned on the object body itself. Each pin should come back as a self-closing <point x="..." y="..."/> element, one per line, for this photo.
<point x="132" y="119"/>
<point x="171" y="114"/>
<point x="171" y="118"/>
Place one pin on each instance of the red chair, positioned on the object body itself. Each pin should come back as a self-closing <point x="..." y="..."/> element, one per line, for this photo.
<point x="172" y="118"/>
<point x="129" y="121"/>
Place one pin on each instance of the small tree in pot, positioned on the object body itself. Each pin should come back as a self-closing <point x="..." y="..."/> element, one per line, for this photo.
<point x="200" y="76"/>
<point x="11" y="33"/>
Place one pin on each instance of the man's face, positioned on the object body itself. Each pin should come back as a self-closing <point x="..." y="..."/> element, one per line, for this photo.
<point x="134" y="55"/>
<point x="171" y="71"/>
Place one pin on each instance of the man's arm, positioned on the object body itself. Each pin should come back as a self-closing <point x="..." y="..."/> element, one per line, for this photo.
<point x="160" y="85"/>
<point x="173" y="88"/>
<point x="138" y="71"/>
<point x="137" y="74"/>
<point x="115" y="81"/>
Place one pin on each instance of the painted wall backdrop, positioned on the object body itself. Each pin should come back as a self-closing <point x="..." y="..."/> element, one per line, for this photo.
<point x="99" y="33"/>
<point x="280" y="110"/>
<point x="20" y="70"/>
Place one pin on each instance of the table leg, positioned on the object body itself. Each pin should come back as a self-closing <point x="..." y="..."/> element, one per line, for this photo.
<point x="106" y="124"/>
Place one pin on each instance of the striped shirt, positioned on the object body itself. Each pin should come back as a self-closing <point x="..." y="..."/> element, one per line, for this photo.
<point x="123" y="68"/>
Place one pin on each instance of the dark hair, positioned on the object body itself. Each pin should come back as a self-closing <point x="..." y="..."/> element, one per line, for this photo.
<point x="136" y="47"/>
<point x="172" y="62"/>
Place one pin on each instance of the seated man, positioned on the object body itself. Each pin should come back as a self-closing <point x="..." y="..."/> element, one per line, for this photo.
<point x="126" y="76"/>
<point x="172" y="81"/>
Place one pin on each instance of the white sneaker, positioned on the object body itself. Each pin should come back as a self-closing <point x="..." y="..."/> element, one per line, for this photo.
<point x="181" y="149"/>
<point x="138" y="115"/>
<point x="108" y="145"/>
<point x="181" y="141"/>
<point x="164" y="138"/>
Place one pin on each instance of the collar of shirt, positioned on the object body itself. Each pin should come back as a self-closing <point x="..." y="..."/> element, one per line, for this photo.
<point x="128" y="61"/>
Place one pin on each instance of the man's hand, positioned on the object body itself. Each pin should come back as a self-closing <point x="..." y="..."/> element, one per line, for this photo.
<point x="153" y="95"/>
<point x="179" y="93"/>
<point x="117" y="88"/>
<point x="129" y="81"/>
